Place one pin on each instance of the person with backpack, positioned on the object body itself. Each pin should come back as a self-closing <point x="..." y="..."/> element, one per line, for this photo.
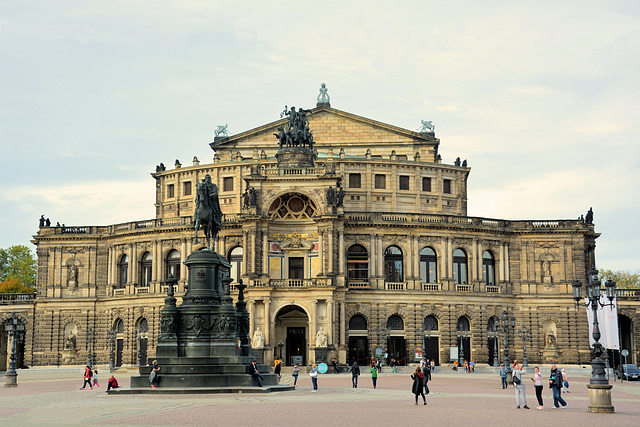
<point x="555" y="384"/>
<point x="518" y="384"/>
<point x="153" y="375"/>
<point x="88" y="373"/>
<point x="355" y="373"/>
<point x="417" y="387"/>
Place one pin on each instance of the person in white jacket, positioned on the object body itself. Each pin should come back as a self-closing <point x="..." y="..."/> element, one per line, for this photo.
<point x="518" y="384"/>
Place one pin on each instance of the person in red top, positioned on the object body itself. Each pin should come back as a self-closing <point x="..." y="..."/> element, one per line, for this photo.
<point x="418" y="386"/>
<point x="112" y="383"/>
<point x="88" y="373"/>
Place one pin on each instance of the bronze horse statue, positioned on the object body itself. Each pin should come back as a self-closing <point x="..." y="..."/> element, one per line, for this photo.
<point x="207" y="214"/>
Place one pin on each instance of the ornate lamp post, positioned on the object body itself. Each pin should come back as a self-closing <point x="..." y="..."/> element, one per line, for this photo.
<point x="461" y="333"/>
<point x="111" y="337"/>
<point x="525" y="335"/>
<point x="139" y="332"/>
<point x="599" y="388"/>
<point x="90" y="338"/>
<point x="495" y="335"/>
<point x="507" y="323"/>
<point x="15" y="331"/>
<point x="383" y="332"/>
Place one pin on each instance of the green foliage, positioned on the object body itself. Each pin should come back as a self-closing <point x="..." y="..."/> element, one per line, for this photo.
<point x="13" y="286"/>
<point x="624" y="279"/>
<point x="17" y="262"/>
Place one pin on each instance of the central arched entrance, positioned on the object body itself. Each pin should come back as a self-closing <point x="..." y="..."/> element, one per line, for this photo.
<point x="291" y="335"/>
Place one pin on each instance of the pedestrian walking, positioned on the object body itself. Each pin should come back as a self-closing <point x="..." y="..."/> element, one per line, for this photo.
<point x="112" y="383"/>
<point x="153" y="375"/>
<point x="392" y="365"/>
<point x="296" y="372"/>
<point x="555" y="384"/>
<point x="426" y="377"/>
<point x="355" y="373"/>
<point x="565" y="382"/>
<point x="278" y="369"/>
<point x="537" y="383"/>
<point x="417" y="387"/>
<point x="253" y="370"/>
<point x="433" y="366"/>
<point x="95" y="378"/>
<point x="88" y="373"/>
<point x="374" y="376"/>
<point x="314" y="377"/>
<point x="518" y="384"/>
<point x="503" y="376"/>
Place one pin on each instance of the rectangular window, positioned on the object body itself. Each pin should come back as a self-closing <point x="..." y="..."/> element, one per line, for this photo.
<point x="170" y="191"/>
<point x="227" y="183"/>
<point x="404" y="182"/>
<point x="186" y="189"/>
<point x="446" y="186"/>
<point x="381" y="181"/>
<point x="354" y="180"/>
<point x="426" y="184"/>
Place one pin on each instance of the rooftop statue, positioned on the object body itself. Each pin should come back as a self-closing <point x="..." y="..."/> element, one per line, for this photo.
<point x="427" y="127"/>
<point x="208" y="214"/>
<point x="297" y="132"/>
<point x="323" y="97"/>
<point x="221" y="131"/>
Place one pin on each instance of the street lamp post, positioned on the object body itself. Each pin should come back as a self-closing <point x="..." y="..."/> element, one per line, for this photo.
<point x="90" y="338"/>
<point x="461" y="333"/>
<point x="507" y="323"/>
<point x="599" y="387"/>
<point x="111" y="336"/>
<point x="525" y="335"/>
<point x="495" y="335"/>
<point x="383" y="332"/>
<point x="15" y="331"/>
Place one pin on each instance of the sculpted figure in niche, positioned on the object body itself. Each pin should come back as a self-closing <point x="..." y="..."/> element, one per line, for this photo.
<point x="73" y="276"/>
<point x="551" y="339"/>
<point x="70" y="342"/>
<point x="258" y="339"/>
<point x="321" y="338"/>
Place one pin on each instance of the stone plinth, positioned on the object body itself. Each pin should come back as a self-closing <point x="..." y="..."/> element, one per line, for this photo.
<point x="600" y="398"/>
<point x="296" y="157"/>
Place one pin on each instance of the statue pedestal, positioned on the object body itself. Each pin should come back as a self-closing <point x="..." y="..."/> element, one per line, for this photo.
<point x="68" y="356"/>
<point x="550" y="355"/>
<point x="11" y="380"/>
<point x="258" y="354"/>
<point x="296" y="157"/>
<point x="321" y="354"/>
<point x="600" y="398"/>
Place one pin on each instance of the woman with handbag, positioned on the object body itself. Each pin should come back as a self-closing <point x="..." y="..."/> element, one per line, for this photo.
<point x="314" y="377"/>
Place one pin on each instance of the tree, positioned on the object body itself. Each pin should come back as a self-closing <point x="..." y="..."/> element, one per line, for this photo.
<point x="624" y="279"/>
<point x="17" y="262"/>
<point x="13" y="286"/>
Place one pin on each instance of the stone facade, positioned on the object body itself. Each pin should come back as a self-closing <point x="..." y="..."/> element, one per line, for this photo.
<point x="372" y="244"/>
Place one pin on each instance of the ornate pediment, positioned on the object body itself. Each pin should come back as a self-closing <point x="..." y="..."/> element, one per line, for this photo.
<point x="296" y="243"/>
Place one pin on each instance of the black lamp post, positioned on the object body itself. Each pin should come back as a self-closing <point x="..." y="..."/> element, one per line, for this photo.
<point x="15" y="331"/>
<point x="139" y="336"/>
<point x="599" y="388"/>
<point x="461" y="333"/>
<point x="525" y="335"/>
<point x="111" y="336"/>
<point x="507" y="323"/>
<point x="495" y="335"/>
<point x="90" y="338"/>
<point x="383" y="332"/>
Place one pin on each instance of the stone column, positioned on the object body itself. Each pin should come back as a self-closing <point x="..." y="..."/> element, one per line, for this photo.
<point x="330" y="251"/>
<point x="252" y="317"/>
<point x="245" y="250"/>
<point x="130" y="265"/>
<point x="253" y="251"/>
<point x="183" y="256"/>
<point x="321" y="251"/>
<point x="341" y="253"/>
<point x="380" y="257"/>
<point x="372" y="258"/>
<point x="134" y="264"/>
<point x="342" y="324"/>
<point x="265" y="255"/>
<point x="314" y="326"/>
<point x="332" y="322"/>
<point x="156" y="262"/>
<point x="267" y="322"/>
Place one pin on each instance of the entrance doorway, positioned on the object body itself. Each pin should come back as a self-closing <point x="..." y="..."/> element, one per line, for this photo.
<point x="296" y="344"/>
<point x="119" y="348"/>
<point x="359" y="350"/>
<point x="290" y="339"/>
<point x="397" y="349"/>
<point x="491" y="346"/>
<point x="431" y="349"/>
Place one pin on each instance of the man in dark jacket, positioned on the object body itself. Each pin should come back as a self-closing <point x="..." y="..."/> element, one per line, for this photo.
<point x="355" y="372"/>
<point x="253" y="370"/>
<point x="426" y="375"/>
<point x="555" y="384"/>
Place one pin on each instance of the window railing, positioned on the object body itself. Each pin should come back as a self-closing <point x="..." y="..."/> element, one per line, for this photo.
<point x="142" y="291"/>
<point x="291" y="283"/>
<point x="464" y="288"/>
<point x="395" y="286"/>
<point x="431" y="286"/>
<point x="493" y="289"/>
<point x="119" y="292"/>
<point x="8" y="298"/>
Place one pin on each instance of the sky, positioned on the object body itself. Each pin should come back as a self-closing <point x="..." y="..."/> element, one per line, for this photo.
<point x="542" y="98"/>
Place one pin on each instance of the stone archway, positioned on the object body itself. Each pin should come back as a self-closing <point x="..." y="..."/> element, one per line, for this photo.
<point x="291" y="335"/>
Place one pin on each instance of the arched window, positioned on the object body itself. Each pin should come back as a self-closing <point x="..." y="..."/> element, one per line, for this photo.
<point x="173" y="264"/>
<point x="358" y="264"/>
<point x="428" y="271"/>
<point x="395" y="323"/>
<point x="358" y="323"/>
<point x="393" y="264"/>
<point x="235" y="258"/>
<point x="430" y="323"/>
<point x="123" y="271"/>
<point x="488" y="268"/>
<point x="492" y="324"/>
<point x="463" y="324"/>
<point x="146" y="264"/>
<point x="459" y="267"/>
<point x="118" y="326"/>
